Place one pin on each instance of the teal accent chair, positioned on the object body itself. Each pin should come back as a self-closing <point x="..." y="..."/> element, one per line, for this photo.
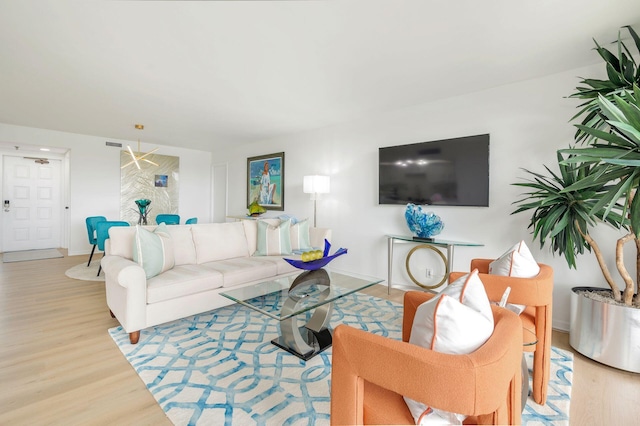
<point x="193" y="220"/>
<point x="91" y="223"/>
<point x="102" y="232"/>
<point x="169" y="219"/>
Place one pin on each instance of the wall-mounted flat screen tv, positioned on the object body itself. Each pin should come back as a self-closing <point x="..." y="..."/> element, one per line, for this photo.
<point x="450" y="172"/>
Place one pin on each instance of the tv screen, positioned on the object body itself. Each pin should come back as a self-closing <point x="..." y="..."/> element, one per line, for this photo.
<point x="450" y="172"/>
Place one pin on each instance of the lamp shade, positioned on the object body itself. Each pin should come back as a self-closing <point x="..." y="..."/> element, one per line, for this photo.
<point x="316" y="184"/>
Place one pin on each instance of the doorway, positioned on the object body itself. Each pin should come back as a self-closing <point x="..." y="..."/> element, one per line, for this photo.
<point x="219" y="193"/>
<point x="31" y="203"/>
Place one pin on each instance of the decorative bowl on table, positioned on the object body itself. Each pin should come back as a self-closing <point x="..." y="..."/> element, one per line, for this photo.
<point x="422" y="223"/>
<point x="312" y="265"/>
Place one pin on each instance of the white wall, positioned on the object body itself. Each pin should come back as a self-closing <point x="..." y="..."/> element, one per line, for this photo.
<point x="94" y="177"/>
<point x="527" y="123"/>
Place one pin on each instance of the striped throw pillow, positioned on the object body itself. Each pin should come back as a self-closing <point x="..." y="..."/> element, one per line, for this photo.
<point x="300" y="236"/>
<point x="153" y="250"/>
<point x="274" y="240"/>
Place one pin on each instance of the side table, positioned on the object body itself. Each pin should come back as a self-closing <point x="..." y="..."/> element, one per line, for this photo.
<point x="424" y="243"/>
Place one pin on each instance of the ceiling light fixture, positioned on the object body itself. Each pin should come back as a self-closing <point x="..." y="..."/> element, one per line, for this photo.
<point x="138" y="156"/>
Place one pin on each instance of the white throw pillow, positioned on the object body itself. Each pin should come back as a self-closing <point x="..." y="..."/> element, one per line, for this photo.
<point x="153" y="250"/>
<point x="516" y="262"/>
<point x="273" y="240"/>
<point x="470" y="291"/>
<point x="300" y="236"/>
<point x="454" y="323"/>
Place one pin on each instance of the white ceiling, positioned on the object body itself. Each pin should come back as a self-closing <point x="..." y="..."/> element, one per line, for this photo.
<point x="208" y="73"/>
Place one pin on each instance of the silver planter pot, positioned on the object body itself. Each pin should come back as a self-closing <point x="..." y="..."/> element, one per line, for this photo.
<point x="606" y="333"/>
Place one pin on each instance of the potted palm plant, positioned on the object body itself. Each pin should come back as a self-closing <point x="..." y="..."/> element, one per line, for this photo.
<point x="597" y="182"/>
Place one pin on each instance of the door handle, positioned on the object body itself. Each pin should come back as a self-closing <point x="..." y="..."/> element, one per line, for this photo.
<point x="7" y="205"/>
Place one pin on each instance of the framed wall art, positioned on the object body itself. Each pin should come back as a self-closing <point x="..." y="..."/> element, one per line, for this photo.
<point x="265" y="181"/>
<point x="159" y="183"/>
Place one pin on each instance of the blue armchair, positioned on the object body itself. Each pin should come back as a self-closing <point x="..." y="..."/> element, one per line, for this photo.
<point x="91" y="223"/>
<point x="169" y="219"/>
<point x="102" y="231"/>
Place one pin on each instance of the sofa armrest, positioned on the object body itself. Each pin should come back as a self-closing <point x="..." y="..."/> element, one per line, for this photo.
<point x="126" y="290"/>
<point x="318" y="235"/>
<point x="125" y="272"/>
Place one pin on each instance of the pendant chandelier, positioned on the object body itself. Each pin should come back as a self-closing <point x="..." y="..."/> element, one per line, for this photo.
<point x="138" y="156"/>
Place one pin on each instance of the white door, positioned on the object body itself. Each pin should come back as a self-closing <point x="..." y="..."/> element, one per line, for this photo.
<point x="31" y="203"/>
<point x="219" y="193"/>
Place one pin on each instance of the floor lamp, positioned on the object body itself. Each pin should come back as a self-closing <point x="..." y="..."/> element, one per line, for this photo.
<point x="315" y="185"/>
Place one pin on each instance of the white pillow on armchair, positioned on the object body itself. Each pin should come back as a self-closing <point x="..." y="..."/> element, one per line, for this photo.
<point x="457" y="321"/>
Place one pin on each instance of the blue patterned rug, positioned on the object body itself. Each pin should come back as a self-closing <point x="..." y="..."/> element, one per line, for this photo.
<point x="221" y="368"/>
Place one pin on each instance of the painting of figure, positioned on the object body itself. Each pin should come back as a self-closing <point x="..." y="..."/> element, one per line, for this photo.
<point x="265" y="181"/>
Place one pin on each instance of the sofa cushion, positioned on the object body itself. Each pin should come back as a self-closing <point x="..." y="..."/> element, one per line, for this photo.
<point x="300" y="236"/>
<point x="184" y="248"/>
<point x="153" y="250"/>
<point x="182" y="281"/>
<point x="273" y="240"/>
<point x="219" y="241"/>
<point x="283" y="267"/>
<point x="243" y="270"/>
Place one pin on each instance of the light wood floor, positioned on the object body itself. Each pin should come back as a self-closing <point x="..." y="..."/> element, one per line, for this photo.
<point x="58" y="364"/>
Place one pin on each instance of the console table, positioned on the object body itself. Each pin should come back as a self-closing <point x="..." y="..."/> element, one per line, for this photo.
<point x="424" y="243"/>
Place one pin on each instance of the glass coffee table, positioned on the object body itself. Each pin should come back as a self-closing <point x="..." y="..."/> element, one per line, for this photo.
<point x="310" y="292"/>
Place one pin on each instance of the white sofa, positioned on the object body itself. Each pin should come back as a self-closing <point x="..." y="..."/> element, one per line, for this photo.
<point x="209" y="258"/>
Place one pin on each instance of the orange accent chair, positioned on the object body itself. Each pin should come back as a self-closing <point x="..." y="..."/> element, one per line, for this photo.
<point x="537" y="294"/>
<point x="371" y="373"/>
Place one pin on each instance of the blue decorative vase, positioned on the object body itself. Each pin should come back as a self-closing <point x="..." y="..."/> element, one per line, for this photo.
<point x="422" y="223"/>
<point x="143" y="210"/>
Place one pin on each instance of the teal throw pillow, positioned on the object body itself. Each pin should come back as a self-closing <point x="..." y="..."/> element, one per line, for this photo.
<point x="153" y="250"/>
<point x="274" y="240"/>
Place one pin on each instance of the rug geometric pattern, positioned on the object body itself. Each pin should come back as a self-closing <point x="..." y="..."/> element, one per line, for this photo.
<point x="220" y="367"/>
<point x="556" y="410"/>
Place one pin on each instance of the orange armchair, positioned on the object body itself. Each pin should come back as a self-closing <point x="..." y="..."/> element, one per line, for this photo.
<point x="371" y="373"/>
<point x="537" y="294"/>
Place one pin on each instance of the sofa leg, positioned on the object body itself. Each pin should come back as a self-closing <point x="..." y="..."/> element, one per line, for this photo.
<point x="134" y="337"/>
<point x="111" y="313"/>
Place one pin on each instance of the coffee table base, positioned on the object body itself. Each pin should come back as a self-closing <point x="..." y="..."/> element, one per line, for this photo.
<point x="318" y="341"/>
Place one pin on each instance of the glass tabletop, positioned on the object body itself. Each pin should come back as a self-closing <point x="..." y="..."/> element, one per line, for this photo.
<point x="434" y="241"/>
<point x="529" y="338"/>
<point x="309" y="292"/>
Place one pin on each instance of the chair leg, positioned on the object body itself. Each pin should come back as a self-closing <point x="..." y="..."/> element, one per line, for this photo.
<point x="91" y="256"/>
<point x="100" y="267"/>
